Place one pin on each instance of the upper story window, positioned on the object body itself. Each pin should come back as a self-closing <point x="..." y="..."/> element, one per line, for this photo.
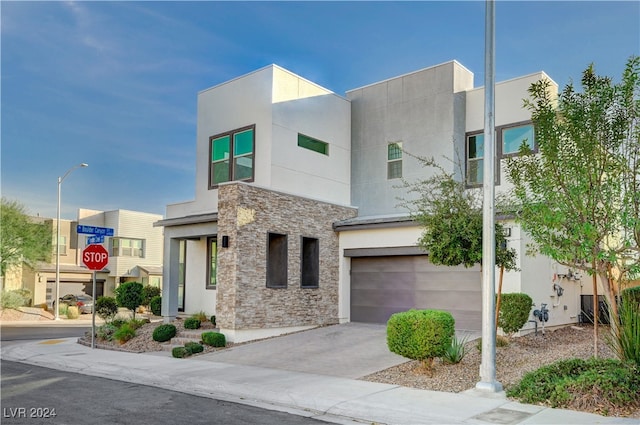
<point x="62" y="245"/>
<point x="123" y="247"/>
<point x="509" y="138"/>
<point x="232" y="156"/>
<point x="313" y="144"/>
<point x="513" y="137"/>
<point x="394" y="160"/>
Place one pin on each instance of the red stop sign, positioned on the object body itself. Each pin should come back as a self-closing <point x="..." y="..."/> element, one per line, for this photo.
<point x="95" y="257"/>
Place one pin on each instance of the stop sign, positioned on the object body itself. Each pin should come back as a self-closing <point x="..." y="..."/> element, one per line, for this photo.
<point x="95" y="257"/>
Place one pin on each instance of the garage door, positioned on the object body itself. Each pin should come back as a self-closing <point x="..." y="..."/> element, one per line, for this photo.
<point x="381" y="286"/>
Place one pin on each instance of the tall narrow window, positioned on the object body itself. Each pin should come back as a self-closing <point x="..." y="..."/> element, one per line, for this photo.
<point x="310" y="263"/>
<point x="475" y="155"/>
<point x="394" y="160"/>
<point x="62" y="246"/>
<point x="212" y="263"/>
<point x="277" y="260"/>
<point x="232" y="156"/>
<point x="182" y="272"/>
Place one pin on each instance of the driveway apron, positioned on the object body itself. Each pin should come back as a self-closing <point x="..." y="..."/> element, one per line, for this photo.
<point x="350" y="350"/>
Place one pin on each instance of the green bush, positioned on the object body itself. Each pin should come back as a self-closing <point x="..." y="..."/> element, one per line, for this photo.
<point x="631" y="294"/>
<point x="194" y="347"/>
<point x="624" y="336"/>
<point x="156" y="305"/>
<point x="106" y="331"/>
<point x="148" y="292"/>
<point x="501" y="341"/>
<point x="456" y="351"/>
<point x="514" y="312"/>
<point x="611" y="382"/>
<point x="420" y="334"/>
<point x="12" y="299"/>
<point x="124" y="333"/>
<point x="138" y="323"/>
<point x="214" y="339"/>
<point x="191" y="323"/>
<point x="106" y="308"/>
<point x="129" y="295"/>
<point x="213" y="320"/>
<point x="180" y="352"/>
<point x="164" y="332"/>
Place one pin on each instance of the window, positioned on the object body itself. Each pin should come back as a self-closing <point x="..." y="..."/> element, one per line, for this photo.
<point x="313" y="144"/>
<point x="514" y="137"/>
<point x="276" y="260"/>
<point x="232" y="156"/>
<point x="182" y="272"/>
<point x="475" y="154"/>
<point x="123" y="247"/>
<point x="62" y="246"/>
<point x="212" y="262"/>
<point x="394" y="160"/>
<point x="310" y="263"/>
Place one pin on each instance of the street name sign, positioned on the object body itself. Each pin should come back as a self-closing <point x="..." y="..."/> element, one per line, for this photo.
<point x="95" y="230"/>
<point x="95" y="239"/>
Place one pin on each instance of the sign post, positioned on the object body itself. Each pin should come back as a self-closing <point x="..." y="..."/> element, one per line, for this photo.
<point x="95" y="257"/>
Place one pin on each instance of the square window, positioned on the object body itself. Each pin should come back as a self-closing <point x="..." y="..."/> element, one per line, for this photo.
<point x="232" y="156"/>
<point x="514" y="137"/>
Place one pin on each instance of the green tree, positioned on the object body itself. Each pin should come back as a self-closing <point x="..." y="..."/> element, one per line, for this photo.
<point x="129" y="295"/>
<point x="579" y="195"/>
<point x="22" y="241"/>
<point x="450" y="215"/>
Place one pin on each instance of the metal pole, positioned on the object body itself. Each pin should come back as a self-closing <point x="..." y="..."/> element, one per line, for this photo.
<point x="57" y="299"/>
<point x="488" y="365"/>
<point x="93" y="313"/>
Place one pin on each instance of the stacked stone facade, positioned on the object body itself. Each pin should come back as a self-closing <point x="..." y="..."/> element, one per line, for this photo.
<point x="247" y="214"/>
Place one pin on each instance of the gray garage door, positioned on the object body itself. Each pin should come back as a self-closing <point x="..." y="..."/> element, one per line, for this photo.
<point x="381" y="286"/>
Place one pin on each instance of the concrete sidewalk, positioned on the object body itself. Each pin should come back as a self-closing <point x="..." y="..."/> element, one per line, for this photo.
<point x="329" y="398"/>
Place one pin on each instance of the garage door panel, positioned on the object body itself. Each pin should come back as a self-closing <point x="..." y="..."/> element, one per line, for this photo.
<point x="381" y="286"/>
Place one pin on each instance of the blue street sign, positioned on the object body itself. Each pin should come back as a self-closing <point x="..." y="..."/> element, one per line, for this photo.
<point x="95" y="239"/>
<point x="95" y="230"/>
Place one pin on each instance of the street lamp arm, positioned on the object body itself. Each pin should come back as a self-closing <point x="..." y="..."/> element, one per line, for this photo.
<point x="60" y="179"/>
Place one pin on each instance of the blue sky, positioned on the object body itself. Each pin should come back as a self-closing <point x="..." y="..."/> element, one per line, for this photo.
<point x="114" y="84"/>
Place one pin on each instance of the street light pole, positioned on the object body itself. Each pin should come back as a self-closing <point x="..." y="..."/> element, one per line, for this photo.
<point x="57" y="298"/>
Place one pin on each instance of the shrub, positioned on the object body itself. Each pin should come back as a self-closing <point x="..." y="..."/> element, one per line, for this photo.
<point x="624" y="336"/>
<point x="420" y="334"/>
<point x="191" y="323"/>
<point x="514" y="312"/>
<point x="73" y="312"/>
<point x="62" y="309"/>
<point x="156" y="305"/>
<point x="611" y="382"/>
<point x="124" y="333"/>
<point x="501" y="341"/>
<point x="12" y="299"/>
<point x="164" y="332"/>
<point x="201" y="316"/>
<point x="106" y="308"/>
<point x="631" y="294"/>
<point x="106" y="331"/>
<point x="129" y="295"/>
<point x="214" y="339"/>
<point x="213" y="320"/>
<point x="194" y="347"/>
<point x="180" y="352"/>
<point x="456" y="351"/>
<point x="148" y="292"/>
<point x="118" y="322"/>
<point x="138" y="323"/>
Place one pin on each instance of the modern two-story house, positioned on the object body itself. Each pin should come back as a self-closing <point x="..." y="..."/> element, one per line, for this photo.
<point x="296" y="219"/>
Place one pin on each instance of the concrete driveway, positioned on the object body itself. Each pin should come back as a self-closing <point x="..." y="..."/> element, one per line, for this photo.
<point x="350" y="350"/>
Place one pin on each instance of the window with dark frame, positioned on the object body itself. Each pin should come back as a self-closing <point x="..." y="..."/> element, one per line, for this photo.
<point x="310" y="263"/>
<point x="277" y="253"/>
<point x="232" y="156"/>
<point x="394" y="160"/>
<point x="212" y="262"/>
<point x="313" y="144"/>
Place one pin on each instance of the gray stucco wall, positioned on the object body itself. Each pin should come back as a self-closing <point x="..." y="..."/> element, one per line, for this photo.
<point x="247" y="214"/>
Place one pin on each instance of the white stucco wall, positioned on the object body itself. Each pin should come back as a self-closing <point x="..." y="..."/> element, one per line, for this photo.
<point x="197" y="297"/>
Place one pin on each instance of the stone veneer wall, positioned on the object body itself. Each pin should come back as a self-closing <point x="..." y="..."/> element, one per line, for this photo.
<point x="247" y="214"/>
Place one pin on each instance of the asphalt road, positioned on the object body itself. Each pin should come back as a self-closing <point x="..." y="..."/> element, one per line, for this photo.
<point x="36" y="395"/>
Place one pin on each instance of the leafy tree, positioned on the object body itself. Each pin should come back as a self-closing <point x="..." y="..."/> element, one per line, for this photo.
<point x="22" y="241"/>
<point x="579" y="195"/>
<point x="106" y="308"/>
<point x="129" y="295"/>
<point x="148" y="292"/>
<point x="451" y="217"/>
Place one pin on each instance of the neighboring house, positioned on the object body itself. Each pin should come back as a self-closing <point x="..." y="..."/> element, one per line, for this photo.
<point x="135" y="253"/>
<point x="296" y="222"/>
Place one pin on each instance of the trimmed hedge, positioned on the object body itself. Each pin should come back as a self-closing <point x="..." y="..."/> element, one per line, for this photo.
<point x="191" y="323"/>
<point x="194" y="347"/>
<point x="514" y="312"/>
<point x="180" y="352"/>
<point x="214" y="339"/>
<point x="420" y="334"/>
<point x="164" y="332"/>
<point x="156" y="305"/>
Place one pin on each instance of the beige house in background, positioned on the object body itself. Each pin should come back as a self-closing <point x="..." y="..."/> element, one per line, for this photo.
<point x="135" y="254"/>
